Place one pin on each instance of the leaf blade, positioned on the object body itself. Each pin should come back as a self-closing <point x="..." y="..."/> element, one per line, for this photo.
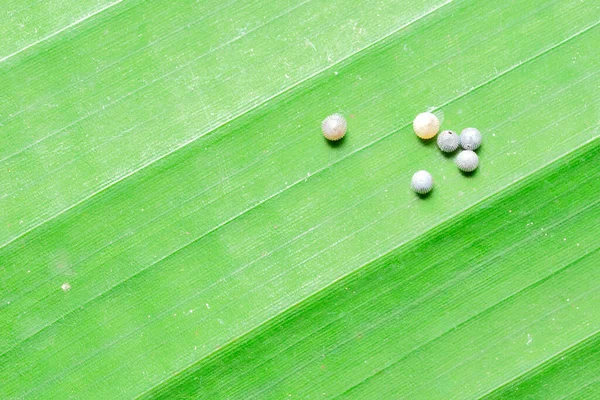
<point x="142" y="252"/>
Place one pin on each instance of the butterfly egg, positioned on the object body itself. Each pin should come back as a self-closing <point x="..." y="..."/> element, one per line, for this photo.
<point x="334" y="127"/>
<point x="467" y="160"/>
<point x="470" y="139"/>
<point x="426" y="125"/>
<point x="422" y="182"/>
<point x="448" y="141"/>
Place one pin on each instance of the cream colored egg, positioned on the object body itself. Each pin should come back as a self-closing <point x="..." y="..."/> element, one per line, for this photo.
<point x="426" y="125"/>
<point x="334" y="127"/>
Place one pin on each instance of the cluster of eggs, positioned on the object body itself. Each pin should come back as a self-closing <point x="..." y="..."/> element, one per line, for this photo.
<point x="426" y="125"/>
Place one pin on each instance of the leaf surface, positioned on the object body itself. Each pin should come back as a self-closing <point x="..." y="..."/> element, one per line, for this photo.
<point x="164" y="160"/>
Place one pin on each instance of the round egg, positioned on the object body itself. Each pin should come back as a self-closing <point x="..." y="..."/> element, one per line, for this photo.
<point x="467" y="161"/>
<point x="422" y="182"/>
<point x="448" y="141"/>
<point x="470" y="139"/>
<point x="334" y="127"/>
<point x="426" y="125"/>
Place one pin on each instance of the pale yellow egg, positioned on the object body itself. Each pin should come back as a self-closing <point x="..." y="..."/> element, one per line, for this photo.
<point x="426" y="125"/>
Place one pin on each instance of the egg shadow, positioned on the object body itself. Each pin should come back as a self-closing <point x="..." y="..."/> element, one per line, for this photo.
<point x="470" y="173"/>
<point x="424" y="195"/>
<point x="427" y="142"/>
<point x="336" y="143"/>
<point x="451" y="154"/>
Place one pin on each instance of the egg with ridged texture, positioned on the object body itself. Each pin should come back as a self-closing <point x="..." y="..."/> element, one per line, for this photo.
<point x="467" y="161"/>
<point x="422" y="182"/>
<point x="334" y="127"/>
<point x="470" y="139"/>
<point x="448" y="141"/>
<point x="426" y="125"/>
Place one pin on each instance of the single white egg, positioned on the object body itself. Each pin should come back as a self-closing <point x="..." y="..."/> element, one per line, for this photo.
<point x="426" y="125"/>
<point x="422" y="182"/>
<point x="470" y="139"/>
<point x="334" y="127"/>
<point x="448" y="141"/>
<point x="467" y="160"/>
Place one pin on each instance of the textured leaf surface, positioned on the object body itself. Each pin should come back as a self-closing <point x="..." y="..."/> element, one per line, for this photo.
<point x="164" y="159"/>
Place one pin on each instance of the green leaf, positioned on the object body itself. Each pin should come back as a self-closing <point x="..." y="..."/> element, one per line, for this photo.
<point x="174" y="224"/>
